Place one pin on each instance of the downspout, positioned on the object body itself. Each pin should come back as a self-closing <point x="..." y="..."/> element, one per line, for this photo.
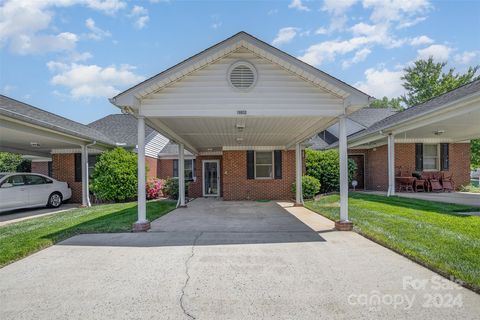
<point x="87" y="186"/>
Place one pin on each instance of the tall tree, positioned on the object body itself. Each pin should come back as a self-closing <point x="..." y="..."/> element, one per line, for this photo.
<point x="394" y="103"/>
<point x="427" y="79"/>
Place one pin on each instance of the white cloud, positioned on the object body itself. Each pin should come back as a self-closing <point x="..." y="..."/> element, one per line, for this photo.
<point x="321" y="30"/>
<point x="327" y="50"/>
<point x="272" y="12"/>
<point x="439" y="52"/>
<point x="421" y="40"/>
<point x="382" y="82"/>
<point x="95" y="32"/>
<point x="141" y="22"/>
<point x="338" y="7"/>
<point x="407" y="23"/>
<point x="24" y="24"/>
<point x="359" y="56"/>
<point x="38" y="44"/>
<point x="138" y="10"/>
<point x="396" y="10"/>
<point x="285" y="35"/>
<point x="140" y="14"/>
<point x="465" y="58"/>
<point x="297" y="4"/>
<point x="90" y="81"/>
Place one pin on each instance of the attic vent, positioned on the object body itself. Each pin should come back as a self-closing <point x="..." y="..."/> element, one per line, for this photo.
<point x="242" y="75"/>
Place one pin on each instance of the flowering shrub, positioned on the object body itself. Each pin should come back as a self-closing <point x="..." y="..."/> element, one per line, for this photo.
<point x="154" y="189"/>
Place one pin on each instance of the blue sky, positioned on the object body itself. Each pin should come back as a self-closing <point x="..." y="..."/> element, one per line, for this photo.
<point x="69" y="56"/>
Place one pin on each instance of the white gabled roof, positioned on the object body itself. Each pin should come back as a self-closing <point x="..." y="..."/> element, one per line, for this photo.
<point x="130" y="97"/>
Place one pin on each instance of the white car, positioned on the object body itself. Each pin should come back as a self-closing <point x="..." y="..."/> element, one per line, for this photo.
<point x="25" y="190"/>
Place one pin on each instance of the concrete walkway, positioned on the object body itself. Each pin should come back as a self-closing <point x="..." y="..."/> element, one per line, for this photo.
<point x="228" y="260"/>
<point x="465" y="198"/>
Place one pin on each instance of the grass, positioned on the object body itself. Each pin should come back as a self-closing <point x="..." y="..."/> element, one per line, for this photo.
<point x="18" y="240"/>
<point x="431" y="233"/>
<point x="470" y="188"/>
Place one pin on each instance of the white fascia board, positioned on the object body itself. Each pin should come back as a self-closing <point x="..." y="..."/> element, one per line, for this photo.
<point x="232" y="113"/>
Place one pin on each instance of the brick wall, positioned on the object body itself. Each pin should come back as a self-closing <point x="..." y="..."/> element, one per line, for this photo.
<point x="63" y="169"/>
<point x="40" y="167"/>
<point x="164" y="168"/>
<point x="152" y="165"/>
<point x="376" y="163"/>
<point x="236" y="186"/>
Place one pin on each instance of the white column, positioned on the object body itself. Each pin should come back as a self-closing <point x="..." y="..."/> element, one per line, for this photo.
<point x="391" y="165"/>
<point x="142" y="205"/>
<point x="342" y="143"/>
<point x="85" y="189"/>
<point x="298" y="175"/>
<point x="181" y="174"/>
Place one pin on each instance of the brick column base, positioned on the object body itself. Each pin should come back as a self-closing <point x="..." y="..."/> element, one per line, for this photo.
<point x="344" y="225"/>
<point x="141" y="226"/>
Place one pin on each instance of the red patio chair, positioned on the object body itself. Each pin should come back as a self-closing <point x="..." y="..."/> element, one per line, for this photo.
<point x="448" y="183"/>
<point x="435" y="184"/>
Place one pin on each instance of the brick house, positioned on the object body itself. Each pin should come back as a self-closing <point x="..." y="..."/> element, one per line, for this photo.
<point x="234" y="120"/>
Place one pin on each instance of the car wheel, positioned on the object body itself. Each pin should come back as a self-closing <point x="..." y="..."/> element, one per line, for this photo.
<point x="55" y="200"/>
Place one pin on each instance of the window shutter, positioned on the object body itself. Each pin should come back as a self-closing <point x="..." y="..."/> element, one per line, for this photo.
<point x="193" y="169"/>
<point x="250" y="164"/>
<point x="78" y="167"/>
<point x="278" y="163"/>
<point x="444" y="162"/>
<point x="418" y="157"/>
<point x="175" y="168"/>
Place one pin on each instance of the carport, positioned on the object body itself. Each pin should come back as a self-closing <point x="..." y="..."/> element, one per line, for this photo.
<point x="238" y="95"/>
<point x="27" y="130"/>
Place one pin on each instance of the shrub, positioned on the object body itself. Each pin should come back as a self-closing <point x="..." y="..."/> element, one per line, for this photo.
<point x="170" y="188"/>
<point x="12" y="162"/>
<point x="325" y="166"/>
<point x="115" y="176"/>
<point x="154" y="189"/>
<point x="310" y="187"/>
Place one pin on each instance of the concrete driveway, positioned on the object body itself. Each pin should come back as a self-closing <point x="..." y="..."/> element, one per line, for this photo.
<point x="228" y="260"/>
<point x="12" y="216"/>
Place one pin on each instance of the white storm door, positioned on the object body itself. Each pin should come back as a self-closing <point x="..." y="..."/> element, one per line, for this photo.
<point x="211" y="178"/>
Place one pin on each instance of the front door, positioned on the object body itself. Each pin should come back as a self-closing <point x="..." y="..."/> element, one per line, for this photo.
<point x="211" y="178"/>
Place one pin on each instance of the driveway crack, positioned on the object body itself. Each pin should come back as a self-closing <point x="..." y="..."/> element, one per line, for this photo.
<point x="187" y="272"/>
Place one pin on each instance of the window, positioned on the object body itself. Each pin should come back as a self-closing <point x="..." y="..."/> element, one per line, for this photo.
<point x="189" y="169"/>
<point x="430" y="157"/>
<point x="34" y="180"/>
<point x="16" y="180"/>
<point x="263" y="165"/>
<point x="92" y="160"/>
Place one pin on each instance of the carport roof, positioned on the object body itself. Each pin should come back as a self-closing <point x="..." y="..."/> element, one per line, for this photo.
<point x="431" y="105"/>
<point x="21" y="111"/>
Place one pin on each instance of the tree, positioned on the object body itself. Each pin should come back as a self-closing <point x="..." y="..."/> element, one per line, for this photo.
<point x="394" y="103"/>
<point x="475" y="154"/>
<point x="12" y="162"/>
<point x="427" y="79"/>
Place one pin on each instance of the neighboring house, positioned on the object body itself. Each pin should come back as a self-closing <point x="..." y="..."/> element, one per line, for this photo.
<point x="432" y="136"/>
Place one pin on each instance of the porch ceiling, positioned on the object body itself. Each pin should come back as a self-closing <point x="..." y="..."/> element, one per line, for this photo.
<point x="214" y="133"/>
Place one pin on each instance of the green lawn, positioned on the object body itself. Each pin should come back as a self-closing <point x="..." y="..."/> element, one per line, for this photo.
<point x="431" y="233"/>
<point x="18" y="240"/>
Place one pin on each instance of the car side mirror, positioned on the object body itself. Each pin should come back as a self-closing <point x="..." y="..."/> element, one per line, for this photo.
<point x="6" y="185"/>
